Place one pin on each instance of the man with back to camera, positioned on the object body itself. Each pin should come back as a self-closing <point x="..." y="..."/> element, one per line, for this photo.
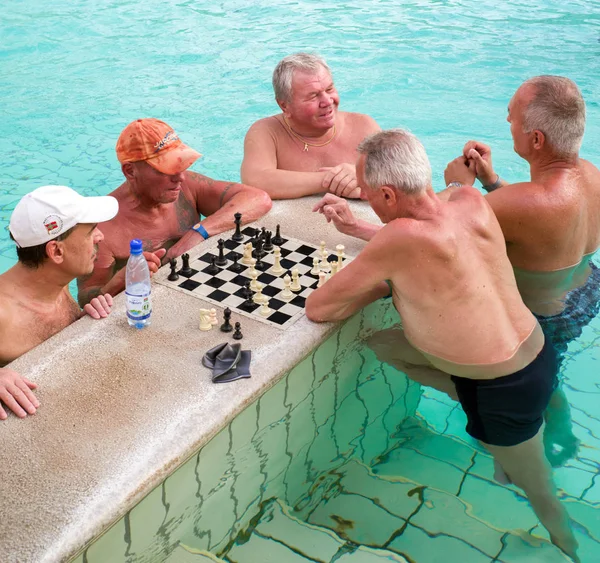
<point x="160" y="203"/>
<point x="466" y="330"/>
<point x="311" y="146"/>
<point x="57" y="237"/>
<point x="551" y="223"/>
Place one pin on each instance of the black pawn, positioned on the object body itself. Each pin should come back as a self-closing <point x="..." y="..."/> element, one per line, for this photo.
<point x="247" y="291"/>
<point x="238" y="236"/>
<point x="237" y="335"/>
<point x="212" y="270"/>
<point x="277" y="240"/>
<point x="173" y="276"/>
<point x="263" y="234"/>
<point x="226" y="326"/>
<point x="185" y="268"/>
<point x="268" y="245"/>
<point x="221" y="260"/>
<point x="235" y="267"/>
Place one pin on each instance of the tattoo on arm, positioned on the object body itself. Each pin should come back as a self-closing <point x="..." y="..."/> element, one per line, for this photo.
<point x="223" y="193"/>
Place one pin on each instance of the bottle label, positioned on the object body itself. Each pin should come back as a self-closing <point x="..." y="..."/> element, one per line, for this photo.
<point x="139" y="307"/>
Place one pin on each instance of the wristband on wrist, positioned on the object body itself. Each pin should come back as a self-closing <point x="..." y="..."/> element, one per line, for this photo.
<point x="454" y="185"/>
<point x="201" y="230"/>
<point x="493" y="186"/>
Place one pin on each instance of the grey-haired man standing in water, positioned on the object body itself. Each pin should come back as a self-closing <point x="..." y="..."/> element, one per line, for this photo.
<point x="551" y="223"/>
<point x="466" y="330"/>
<point x="310" y="147"/>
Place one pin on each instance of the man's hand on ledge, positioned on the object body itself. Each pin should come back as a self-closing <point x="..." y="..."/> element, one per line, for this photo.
<point x="99" y="307"/>
<point x="340" y="180"/>
<point x="15" y="393"/>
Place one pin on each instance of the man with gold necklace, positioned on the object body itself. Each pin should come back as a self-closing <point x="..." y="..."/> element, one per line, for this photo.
<point x="310" y="147"/>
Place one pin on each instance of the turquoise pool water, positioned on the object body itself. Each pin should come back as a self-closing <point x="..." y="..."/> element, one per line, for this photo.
<point x="75" y="74"/>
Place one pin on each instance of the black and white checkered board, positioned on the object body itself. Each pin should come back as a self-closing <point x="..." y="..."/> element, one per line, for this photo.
<point x="225" y="288"/>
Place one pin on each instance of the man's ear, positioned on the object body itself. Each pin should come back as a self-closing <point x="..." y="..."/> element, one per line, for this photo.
<point x="389" y="195"/>
<point x="128" y="170"/>
<point x="55" y="251"/>
<point x="539" y="140"/>
<point x="285" y="107"/>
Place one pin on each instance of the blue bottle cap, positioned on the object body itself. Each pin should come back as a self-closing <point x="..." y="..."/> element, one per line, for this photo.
<point x="135" y="246"/>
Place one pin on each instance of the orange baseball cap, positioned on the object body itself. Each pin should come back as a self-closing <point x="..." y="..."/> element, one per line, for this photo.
<point x="155" y="142"/>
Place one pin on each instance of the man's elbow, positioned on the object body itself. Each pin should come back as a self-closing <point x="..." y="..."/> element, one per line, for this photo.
<point x="314" y="312"/>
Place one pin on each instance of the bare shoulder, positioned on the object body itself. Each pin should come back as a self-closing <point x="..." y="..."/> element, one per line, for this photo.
<point x="361" y="121"/>
<point x="267" y="126"/>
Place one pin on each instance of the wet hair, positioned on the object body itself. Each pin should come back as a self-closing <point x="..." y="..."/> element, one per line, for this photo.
<point x="284" y="72"/>
<point x="557" y="110"/>
<point x="34" y="256"/>
<point x="396" y="158"/>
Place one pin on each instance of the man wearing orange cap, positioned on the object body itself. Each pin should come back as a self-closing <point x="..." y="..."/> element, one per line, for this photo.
<point x="56" y="233"/>
<point x="161" y="202"/>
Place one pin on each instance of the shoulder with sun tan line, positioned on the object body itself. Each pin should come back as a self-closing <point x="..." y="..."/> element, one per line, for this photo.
<point x="362" y="120"/>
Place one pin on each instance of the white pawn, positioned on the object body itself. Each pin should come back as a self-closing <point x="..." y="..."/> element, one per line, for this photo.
<point x="252" y="269"/>
<point x="254" y="276"/>
<point x="334" y="268"/>
<point x="340" y="256"/>
<point x="277" y="268"/>
<point x="322" y="248"/>
<point x="295" y="285"/>
<point x="247" y="258"/>
<point x="286" y="294"/>
<point x="315" y="269"/>
<point x="322" y="278"/>
<point x="264" y="311"/>
<point x="205" y="320"/>
<point x="213" y="317"/>
<point x="325" y="266"/>
<point x="259" y="298"/>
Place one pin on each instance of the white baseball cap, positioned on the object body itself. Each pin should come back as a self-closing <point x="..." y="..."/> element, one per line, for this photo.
<point x="49" y="211"/>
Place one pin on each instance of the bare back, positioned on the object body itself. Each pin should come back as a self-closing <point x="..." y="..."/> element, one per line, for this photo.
<point x="25" y="322"/>
<point x="552" y="222"/>
<point x="455" y="290"/>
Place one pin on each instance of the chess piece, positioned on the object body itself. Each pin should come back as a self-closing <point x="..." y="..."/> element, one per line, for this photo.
<point x="324" y="266"/>
<point x="247" y="254"/>
<point x="205" y="323"/>
<point x="323" y="248"/>
<point x="185" y="268"/>
<point x="253" y="283"/>
<point x="322" y="278"/>
<point x="226" y="326"/>
<point x="221" y="260"/>
<point x="259" y="298"/>
<point x="316" y="268"/>
<point x="258" y="251"/>
<point x="340" y="256"/>
<point x="277" y="240"/>
<point x="295" y="285"/>
<point x="247" y="291"/>
<point x="334" y="268"/>
<point x="235" y="267"/>
<point x="277" y="268"/>
<point x="173" y="276"/>
<point x="237" y="335"/>
<point x="268" y="245"/>
<point x="238" y="236"/>
<point x="264" y="311"/>
<point x="213" y="269"/>
<point x="286" y="294"/>
<point x="213" y="317"/>
<point x="252" y="267"/>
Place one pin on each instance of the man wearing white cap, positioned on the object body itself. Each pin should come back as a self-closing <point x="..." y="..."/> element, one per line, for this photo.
<point x="161" y="202"/>
<point x="56" y="233"/>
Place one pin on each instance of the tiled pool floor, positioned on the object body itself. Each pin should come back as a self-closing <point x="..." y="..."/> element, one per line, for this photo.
<point x="430" y="499"/>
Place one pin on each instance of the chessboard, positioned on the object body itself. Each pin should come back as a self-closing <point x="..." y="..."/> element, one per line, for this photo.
<point x="227" y="288"/>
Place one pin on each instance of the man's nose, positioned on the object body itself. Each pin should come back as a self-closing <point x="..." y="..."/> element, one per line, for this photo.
<point x="98" y="236"/>
<point x="363" y="194"/>
<point x="177" y="178"/>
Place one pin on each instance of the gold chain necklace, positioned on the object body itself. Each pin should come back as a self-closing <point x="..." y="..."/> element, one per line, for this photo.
<point x="306" y="144"/>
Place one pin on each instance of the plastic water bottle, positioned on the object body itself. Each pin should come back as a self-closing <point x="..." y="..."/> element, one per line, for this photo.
<point x="137" y="287"/>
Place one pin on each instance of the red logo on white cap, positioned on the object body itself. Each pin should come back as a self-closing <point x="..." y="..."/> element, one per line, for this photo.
<point x="53" y="224"/>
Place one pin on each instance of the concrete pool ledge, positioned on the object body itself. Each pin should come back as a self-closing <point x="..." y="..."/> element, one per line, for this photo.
<point x="121" y="409"/>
